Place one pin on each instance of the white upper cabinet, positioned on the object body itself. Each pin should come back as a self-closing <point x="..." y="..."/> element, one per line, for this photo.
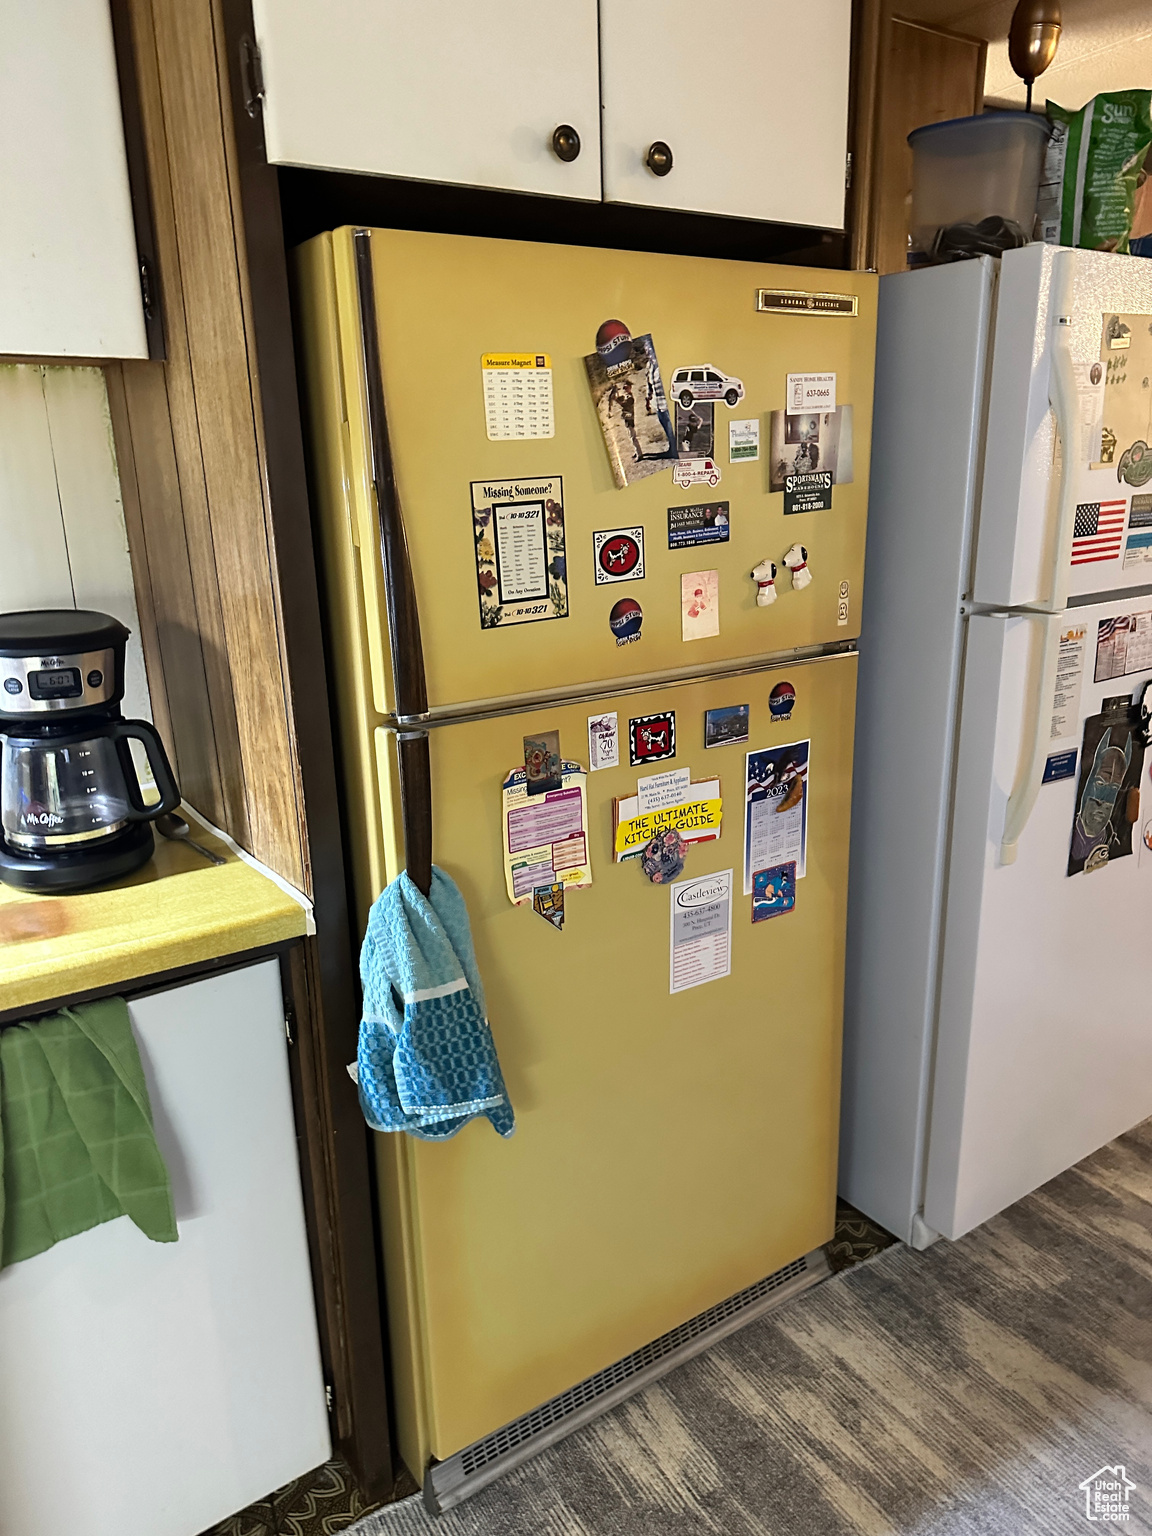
<point x="436" y="91"/>
<point x="69" y="270"/>
<point x="750" y="97"/>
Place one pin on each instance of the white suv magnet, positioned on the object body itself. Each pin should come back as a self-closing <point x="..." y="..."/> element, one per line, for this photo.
<point x="705" y="383"/>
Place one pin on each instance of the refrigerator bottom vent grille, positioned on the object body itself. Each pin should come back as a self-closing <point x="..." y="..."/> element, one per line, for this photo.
<point x="457" y="1478"/>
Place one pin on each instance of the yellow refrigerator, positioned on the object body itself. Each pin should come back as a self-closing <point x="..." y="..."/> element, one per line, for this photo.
<point x="543" y="477"/>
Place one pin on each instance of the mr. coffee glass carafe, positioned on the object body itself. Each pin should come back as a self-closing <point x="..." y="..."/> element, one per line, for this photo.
<point x="72" y="809"/>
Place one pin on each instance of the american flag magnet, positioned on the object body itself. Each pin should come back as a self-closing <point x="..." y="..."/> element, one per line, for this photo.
<point x="1099" y="530"/>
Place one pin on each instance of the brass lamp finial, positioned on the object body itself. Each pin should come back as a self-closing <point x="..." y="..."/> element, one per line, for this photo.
<point x="1033" y="38"/>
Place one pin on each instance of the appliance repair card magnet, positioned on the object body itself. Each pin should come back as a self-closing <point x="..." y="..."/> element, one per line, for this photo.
<point x="660" y="790"/>
<point x="619" y="555"/>
<point x="689" y="472"/>
<point x="603" y="742"/>
<point x="811" y="392"/>
<point x="699" y="605"/>
<point x="651" y="737"/>
<point x="744" y="441"/>
<point x="517" y="395"/>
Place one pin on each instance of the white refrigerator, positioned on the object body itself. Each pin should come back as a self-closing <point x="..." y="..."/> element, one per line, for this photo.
<point x="998" y="1022"/>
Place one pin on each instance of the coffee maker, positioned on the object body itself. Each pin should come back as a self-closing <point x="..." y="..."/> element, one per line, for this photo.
<point x="72" y="810"/>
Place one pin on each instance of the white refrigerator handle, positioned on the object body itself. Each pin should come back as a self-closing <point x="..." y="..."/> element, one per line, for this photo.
<point x="1064" y="400"/>
<point x="1037" y="734"/>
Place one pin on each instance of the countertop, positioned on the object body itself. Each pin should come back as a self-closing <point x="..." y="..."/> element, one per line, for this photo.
<point x="176" y="911"/>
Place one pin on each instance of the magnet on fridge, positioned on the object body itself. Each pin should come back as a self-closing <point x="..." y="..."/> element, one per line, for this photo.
<point x="781" y="702"/>
<point x="797" y="562"/>
<point x="764" y="575"/>
<point x="603" y="742"/>
<point x="548" y="903"/>
<point x="695" y="431"/>
<point x="663" y="858"/>
<point x="651" y="738"/>
<point x="628" y="393"/>
<point x="773" y="891"/>
<point x="542" y="762"/>
<point x="625" y="620"/>
<point x="688" y="472"/>
<point x="723" y="727"/>
<point x="1144" y="715"/>
<point x="702" y="382"/>
<point x="1060" y="765"/>
<point x="699" y="605"/>
<point x="618" y="554"/>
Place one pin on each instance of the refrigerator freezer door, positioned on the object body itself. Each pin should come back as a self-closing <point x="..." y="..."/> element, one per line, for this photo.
<point x="1016" y="555"/>
<point x="669" y="1149"/>
<point x="446" y="301"/>
<point x="1043" y="1049"/>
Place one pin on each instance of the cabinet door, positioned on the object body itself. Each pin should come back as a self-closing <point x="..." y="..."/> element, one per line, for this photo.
<point x="437" y="91"/>
<point x="751" y="96"/>
<point x="69" y="271"/>
<point x="152" y="1389"/>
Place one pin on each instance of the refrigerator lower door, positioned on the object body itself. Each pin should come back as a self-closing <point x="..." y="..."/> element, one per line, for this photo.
<point x="1043" y="1050"/>
<point x="1019" y="504"/>
<point x="669" y="1149"/>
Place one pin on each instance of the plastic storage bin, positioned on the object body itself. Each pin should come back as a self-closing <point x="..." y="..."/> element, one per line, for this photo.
<point x="970" y="168"/>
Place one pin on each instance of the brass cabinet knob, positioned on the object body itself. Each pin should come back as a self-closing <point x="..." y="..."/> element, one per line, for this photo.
<point x="565" y="142"/>
<point x="659" y="158"/>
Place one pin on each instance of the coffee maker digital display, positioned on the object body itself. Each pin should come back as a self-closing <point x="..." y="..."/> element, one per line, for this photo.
<point x="73" y="812"/>
<point x="55" y="685"/>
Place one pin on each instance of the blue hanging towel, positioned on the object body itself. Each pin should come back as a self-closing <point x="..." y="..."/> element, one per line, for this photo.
<point x="426" y="1061"/>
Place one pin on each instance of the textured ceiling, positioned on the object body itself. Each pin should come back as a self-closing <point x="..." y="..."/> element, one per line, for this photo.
<point x="1106" y="45"/>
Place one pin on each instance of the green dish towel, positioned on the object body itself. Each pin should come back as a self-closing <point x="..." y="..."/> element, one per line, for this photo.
<point x="77" y="1146"/>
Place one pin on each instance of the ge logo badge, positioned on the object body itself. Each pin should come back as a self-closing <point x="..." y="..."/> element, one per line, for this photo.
<point x="619" y="554"/>
<point x="842" y="604"/>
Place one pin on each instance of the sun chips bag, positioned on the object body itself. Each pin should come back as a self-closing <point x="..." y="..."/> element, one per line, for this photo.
<point x="1091" y="166"/>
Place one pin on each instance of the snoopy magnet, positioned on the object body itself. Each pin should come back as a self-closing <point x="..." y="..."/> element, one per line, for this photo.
<point x="797" y="562"/>
<point x="764" y="575"/>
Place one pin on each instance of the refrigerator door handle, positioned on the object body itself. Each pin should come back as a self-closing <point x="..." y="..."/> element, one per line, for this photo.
<point x="1063" y="398"/>
<point x="410" y="687"/>
<point x="1036" y="739"/>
